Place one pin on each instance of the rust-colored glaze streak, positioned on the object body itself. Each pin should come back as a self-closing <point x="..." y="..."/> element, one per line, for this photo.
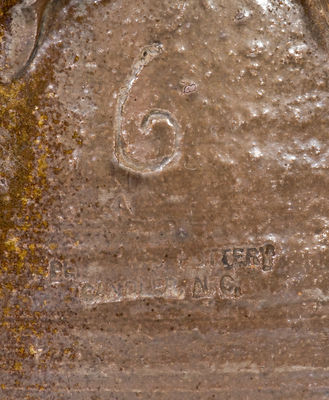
<point x="26" y="153"/>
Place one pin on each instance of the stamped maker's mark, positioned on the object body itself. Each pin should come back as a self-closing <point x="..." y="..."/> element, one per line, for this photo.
<point x="217" y="274"/>
<point x="253" y="257"/>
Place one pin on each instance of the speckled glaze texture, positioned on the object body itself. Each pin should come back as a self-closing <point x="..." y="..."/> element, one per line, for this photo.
<point x="164" y="212"/>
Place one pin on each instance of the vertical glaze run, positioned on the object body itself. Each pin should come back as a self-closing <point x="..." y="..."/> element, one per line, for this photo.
<point x="19" y="44"/>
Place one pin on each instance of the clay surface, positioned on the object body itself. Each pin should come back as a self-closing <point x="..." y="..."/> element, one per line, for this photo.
<point x="164" y="212"/>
